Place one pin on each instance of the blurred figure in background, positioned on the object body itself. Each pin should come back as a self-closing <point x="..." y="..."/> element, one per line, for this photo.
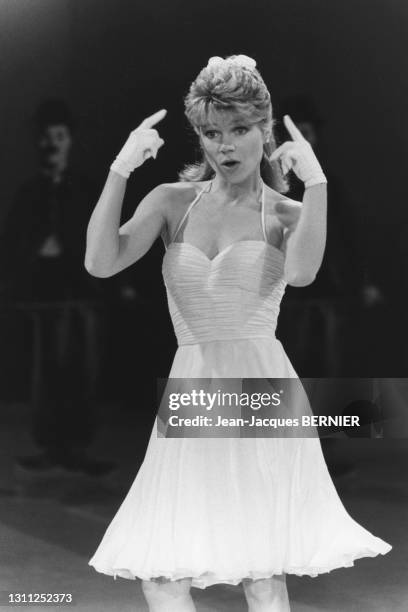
<point x="326" y="312"/>
<point x="43" y="249"/>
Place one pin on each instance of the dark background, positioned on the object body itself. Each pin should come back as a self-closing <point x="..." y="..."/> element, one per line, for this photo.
<point x="115" y="62"/>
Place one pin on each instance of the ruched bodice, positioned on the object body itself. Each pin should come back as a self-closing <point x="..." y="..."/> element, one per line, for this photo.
<point x="233" y="296"/>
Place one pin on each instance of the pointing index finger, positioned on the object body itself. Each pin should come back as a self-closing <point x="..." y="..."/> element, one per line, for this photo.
<point x="293" y="129"/>
<point x="153" y="119"/>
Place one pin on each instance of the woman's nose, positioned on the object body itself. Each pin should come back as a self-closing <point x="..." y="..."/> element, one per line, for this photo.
<point x="227" y="146"/>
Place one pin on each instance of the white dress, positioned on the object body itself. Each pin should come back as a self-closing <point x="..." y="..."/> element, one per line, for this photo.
<point x="223" y="509"/>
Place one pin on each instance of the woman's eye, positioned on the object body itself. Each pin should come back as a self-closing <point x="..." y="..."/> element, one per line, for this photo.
<point x="210" y="133"/>
<point x="241" y="129"/>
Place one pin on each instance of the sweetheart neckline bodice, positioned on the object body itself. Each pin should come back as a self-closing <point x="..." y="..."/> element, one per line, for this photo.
<point x="224" y="250"/>
<point x="234" y="295"/>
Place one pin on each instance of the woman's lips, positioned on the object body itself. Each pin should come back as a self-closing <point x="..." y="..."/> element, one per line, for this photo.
<point x="230" y="164"/>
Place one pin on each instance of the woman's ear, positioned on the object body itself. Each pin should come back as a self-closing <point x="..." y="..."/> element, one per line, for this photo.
<point x="267" y="149"/>
<point x="267" y="135"/>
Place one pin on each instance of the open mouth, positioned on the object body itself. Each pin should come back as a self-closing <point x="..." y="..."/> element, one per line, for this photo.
<point x="230" y="163"/>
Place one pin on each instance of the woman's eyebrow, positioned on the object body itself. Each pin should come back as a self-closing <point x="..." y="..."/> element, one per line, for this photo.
<point x="239" y="121"/>
<point x="233" y="123"/>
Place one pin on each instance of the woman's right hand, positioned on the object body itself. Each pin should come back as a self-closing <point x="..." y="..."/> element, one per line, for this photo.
<point x="143" y="142"/>
<point x="297" y="154"/>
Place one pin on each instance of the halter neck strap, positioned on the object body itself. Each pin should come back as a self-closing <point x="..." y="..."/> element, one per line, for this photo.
<point x="263" y="212"/>
<point x="198" y="196"/>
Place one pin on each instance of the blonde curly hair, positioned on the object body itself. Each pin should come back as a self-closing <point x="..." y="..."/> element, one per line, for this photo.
<point x="232" y="86"/>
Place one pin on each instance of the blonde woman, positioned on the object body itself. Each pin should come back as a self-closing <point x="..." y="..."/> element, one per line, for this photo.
<point x="203" y="511"/>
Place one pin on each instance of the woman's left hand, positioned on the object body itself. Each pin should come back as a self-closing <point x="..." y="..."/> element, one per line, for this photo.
<point x="298" y="155"/>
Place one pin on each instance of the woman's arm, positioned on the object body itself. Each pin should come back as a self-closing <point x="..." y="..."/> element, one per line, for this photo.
<point x="305" y="243"/>
<point x="304" y="238"/>
<point x="110" y="249"/>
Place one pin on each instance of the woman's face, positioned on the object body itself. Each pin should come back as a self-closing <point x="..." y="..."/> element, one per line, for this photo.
<point x="232" y="145"/>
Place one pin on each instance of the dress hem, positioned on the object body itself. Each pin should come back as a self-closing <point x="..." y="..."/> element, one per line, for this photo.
<point x="204" y="579"/>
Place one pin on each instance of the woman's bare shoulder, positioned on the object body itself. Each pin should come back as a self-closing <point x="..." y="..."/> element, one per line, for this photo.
<point x="274" y="199"/>
<point x="178" y="195"/>
<point x="175" y="199"/>
<point x="181" y="189"/>
<point x="281" y="211"/>
<point x="278" y="204"/>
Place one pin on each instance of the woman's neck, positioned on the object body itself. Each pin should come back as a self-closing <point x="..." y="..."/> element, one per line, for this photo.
<point x="229" y="191"/>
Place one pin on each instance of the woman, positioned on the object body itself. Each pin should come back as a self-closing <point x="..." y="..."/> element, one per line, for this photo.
<point x="203" y="511"/>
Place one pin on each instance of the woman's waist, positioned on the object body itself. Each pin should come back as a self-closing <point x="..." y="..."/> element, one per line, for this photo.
<point x="235" y="339"/>
<point x="206" y="329"/>
<point x="236" y="357"/>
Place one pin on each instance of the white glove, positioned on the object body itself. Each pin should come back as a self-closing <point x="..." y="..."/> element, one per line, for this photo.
<point x="297" y="154"/>
<point x="143" y="142"/>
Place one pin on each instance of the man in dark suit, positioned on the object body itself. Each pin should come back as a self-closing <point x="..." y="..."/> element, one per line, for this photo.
<point x="42" y="269"/>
